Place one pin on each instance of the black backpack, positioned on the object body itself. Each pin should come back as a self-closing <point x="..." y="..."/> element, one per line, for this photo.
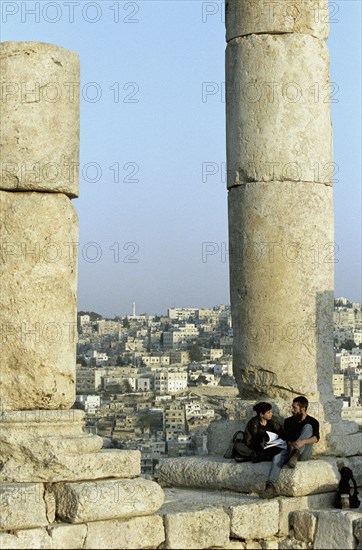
<point x="344" y="488"/>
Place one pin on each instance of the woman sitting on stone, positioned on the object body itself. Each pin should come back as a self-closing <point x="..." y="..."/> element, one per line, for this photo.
<point x="253" y="445"/>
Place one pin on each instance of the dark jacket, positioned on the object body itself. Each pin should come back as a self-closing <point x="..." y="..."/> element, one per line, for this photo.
<point x="255" y="432"/>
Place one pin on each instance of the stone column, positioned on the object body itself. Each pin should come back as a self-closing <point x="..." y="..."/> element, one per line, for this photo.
<point x="39" y="141"/>
<point x="280" y="174"/>
<point x="50" y="469"/>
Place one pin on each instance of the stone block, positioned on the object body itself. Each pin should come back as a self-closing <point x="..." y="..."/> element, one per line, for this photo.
<point x="275" y="336"/>
<point x="197" y="529"/>
<point x="220" y="435"/>
<point x="278" y="111"/>
<point x="235" y="544"/>
<point x="106" y="499"/>
<point x="22" y="506"/>
<point x="259" y="16"/>
<point x="39" y="113"/>
<point x="290" y="543"/>
<point x="293" y="504"/>
<point x="38" y="271"/>
<point x="29" y="443"/>
<point x="304" y="524"/>
<point x="108" y="463"/>
<point x="286" y="507"/>
<point x="335" y="530"/>
<point x="133" y="533"/>
<point x="64" y="536"/>
<point x="270" y="544"/>
<point x="312" y="477"/>
<point x="27" y="539"/>
<point x="255" y="521"/>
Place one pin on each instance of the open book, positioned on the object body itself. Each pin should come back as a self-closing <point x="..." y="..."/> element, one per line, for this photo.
<point x="275" y="441"/>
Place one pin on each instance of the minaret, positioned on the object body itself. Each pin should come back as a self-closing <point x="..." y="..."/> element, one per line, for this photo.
<point x="133" y="309"/>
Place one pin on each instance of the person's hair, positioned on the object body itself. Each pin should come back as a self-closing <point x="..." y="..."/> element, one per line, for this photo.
<point x="262" y="407"/>
<point x="301" y="401"/>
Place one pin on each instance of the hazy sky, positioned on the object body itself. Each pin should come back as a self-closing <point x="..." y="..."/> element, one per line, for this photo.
<point x="149" y="135"/>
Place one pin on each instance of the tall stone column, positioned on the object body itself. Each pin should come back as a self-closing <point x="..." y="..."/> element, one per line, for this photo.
<point x="50" y="469"/>
<point x="280" y="175"/>
<point x="39" y="141"/>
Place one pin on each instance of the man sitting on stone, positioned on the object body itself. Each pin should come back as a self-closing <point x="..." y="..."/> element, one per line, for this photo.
<point x="301" y="432"/>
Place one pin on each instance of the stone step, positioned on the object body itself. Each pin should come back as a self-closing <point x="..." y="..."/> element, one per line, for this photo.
<point x="196" y="518"/>
<point x="108" y="463"/>
<point x="311" y="477"/>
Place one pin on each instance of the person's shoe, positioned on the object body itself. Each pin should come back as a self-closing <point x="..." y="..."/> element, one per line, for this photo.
<point x="293" y="459"/>
<point x="269" y="491"/>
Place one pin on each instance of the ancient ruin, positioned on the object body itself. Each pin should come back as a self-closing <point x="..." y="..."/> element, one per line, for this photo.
<point x="59" y="488"/>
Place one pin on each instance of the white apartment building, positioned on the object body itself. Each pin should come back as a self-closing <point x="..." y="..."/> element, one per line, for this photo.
<point x="338" y="385"/>
<point x="91" y="402"/>
<point x="84" y="320"/>
<point x="182" y="314"/>
<point x="223" y="368"/>
<point x="155" y="360"/>
<point x="175" y="338"/>
<point x="345" y="360"/>
<point x="170" y="381"/>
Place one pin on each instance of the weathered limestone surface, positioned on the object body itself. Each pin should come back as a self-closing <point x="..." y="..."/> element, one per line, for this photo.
<point x="282" y="349"/>
<point x="255" y="521"/>
<point x="38" y="271"/>
<point x="27" y="538"/>
<point x="312" y="502"/>
<point x="304" y="524"/>
<point x="108" y="463"/>
<point x="36" y="439"/>
<point x="135" y="533"/>
<point x="357" y="529"/>
<point x="198" y="529"/>
<point x="67" y="536"/>
<point x="335" y="530"/>
<point x="39" y="112"/>
<point x="22" y="506"/>
<point x="106" y="499"/>
<point x="259" y="16"/>
<point x="278" y="110"/>
<point x="315" y="476"/>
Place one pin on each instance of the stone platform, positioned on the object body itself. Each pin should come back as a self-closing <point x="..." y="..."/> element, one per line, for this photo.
<point x="311" y="477"/>
<point x="188" y="518"/>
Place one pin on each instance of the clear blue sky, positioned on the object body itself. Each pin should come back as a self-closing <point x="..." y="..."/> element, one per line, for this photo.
<point x="145" y="117"/>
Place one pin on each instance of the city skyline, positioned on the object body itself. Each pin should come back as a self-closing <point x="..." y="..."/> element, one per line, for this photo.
<point x="153" y="199"/>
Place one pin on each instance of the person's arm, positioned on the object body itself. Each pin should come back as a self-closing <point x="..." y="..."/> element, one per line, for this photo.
<point x="311" y="440"/>
<point x="301" y="442"/>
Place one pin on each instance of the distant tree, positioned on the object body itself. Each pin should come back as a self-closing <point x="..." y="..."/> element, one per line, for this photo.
<point x="78" y="405"/>
<point x="195" y="352"/>
<point x="348" y="345"/>
<point x="81" y="360"/>
<point x="126" y="386"/>
<point x="119" y="361"/>
<point x="125" y="322"/>
<point x="201" y="380"/>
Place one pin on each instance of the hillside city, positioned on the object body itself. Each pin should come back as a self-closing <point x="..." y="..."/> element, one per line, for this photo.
<point x="155" y="383"/>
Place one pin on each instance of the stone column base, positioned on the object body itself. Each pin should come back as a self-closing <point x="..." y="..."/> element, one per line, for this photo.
<point x="50" y="445"/>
